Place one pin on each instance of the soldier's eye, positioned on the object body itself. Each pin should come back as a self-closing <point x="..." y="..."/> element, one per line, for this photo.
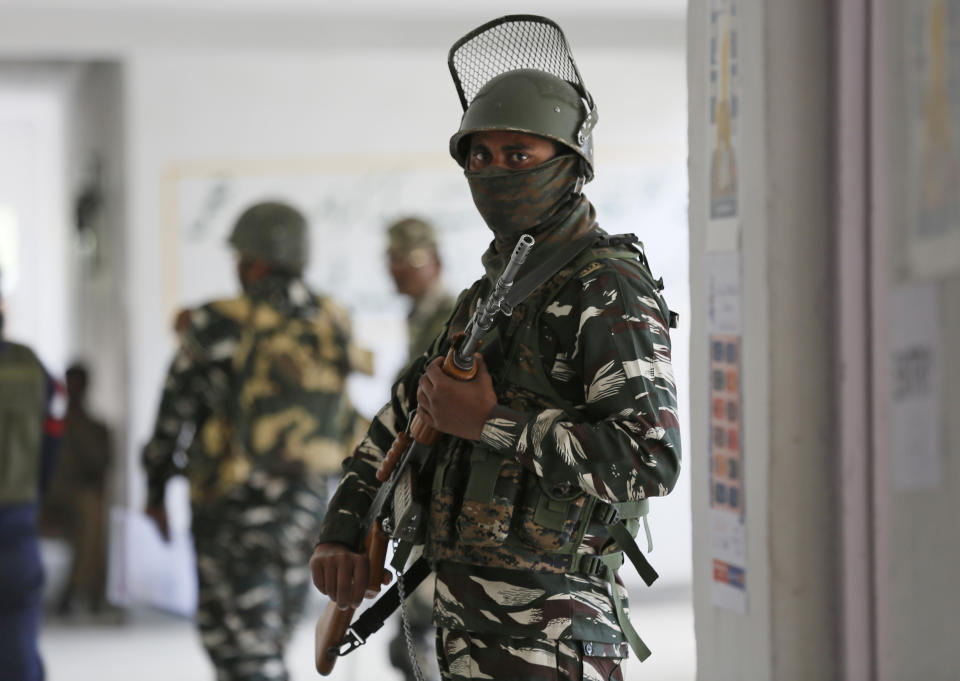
<point x="479" y="158"/>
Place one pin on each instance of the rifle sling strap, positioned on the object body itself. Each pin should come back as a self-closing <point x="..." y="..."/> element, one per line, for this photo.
<point x="542" y="273"/>
<point x="371" y="620"/>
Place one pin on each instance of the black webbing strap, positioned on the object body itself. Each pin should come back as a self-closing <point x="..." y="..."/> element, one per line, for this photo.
<point x="542" y="273"/>
<point x="372" y="619"/>
<point x="628" y="545"/>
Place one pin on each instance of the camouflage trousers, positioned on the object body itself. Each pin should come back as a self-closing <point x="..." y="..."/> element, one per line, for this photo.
<point x="420" y="617"/>
<point x="253" y="550"/>
<point x="464" y="655"/>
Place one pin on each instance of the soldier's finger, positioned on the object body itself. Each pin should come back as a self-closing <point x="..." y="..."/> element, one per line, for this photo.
<point x="361" y="574"/>
<point x="342" y="579"/>
<point x="316" y="570"/>
<point x="426" y="416"/>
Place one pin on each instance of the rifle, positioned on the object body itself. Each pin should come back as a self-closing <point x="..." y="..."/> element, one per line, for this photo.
<point x="414" y="444"/>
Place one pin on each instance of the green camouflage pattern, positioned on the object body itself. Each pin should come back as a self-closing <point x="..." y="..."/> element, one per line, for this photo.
<point x="466" y="656"/>
<point x="252" y="551"/>
<point x="509" y="201"/>
<point x="410" y="235"/>
<point x="255" y="395"/>
<point x="587" y="406"/>
<point x="259" y="379"/>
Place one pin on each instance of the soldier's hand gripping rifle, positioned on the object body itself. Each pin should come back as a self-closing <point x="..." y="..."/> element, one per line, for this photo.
<point x="334" y="636"/>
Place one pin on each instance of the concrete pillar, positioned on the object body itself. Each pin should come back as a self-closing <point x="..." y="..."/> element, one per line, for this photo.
<point x="783" y="145"/>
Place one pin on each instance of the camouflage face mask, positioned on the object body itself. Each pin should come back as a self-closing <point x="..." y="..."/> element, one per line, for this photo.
<point x="512" y="202"/>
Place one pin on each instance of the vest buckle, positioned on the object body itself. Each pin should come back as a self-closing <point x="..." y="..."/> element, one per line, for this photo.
<point x="608" y="514"/>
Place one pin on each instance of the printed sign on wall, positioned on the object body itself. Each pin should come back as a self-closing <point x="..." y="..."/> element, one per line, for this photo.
<point x="916" y="411"/>
<point x="723" y="137"/>
<point x="727" y="492"/>
<point x="932" y="77"/>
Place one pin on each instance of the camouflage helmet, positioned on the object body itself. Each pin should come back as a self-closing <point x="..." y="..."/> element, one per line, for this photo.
<point x="411" y="239"/>
<point x="272" y="231"/>
<point x="517" y="74"/>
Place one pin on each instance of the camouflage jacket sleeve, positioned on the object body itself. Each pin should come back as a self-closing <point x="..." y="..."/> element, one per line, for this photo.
<point x="344" y="518"/>
<point x="178" y="406"/>
<point x="343" y="522"/>
<point x="621" y="442"/>
<point x="181" y="404"/>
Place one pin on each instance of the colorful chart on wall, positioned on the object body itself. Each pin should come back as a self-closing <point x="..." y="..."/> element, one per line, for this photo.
<point x="727" y="491"/>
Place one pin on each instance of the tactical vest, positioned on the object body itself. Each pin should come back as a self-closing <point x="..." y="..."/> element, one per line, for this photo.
<point x="23" y="386"/>
<point x="486" y="509"/>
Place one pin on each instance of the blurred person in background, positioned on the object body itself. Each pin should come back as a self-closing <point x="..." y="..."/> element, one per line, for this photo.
<point x="417" y="272"/>
<point x="75" y="506"/>
<point x="254" y="412"/>
<point x="540" y="483"/>
<point x="28" y="449"/>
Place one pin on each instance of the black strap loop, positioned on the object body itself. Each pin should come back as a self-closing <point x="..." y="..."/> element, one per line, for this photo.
<point x="372" y="619"/>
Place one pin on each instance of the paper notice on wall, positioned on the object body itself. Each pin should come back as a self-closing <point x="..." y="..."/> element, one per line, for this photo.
<point x="723" y="151"/>
<point x="932" y="128"/>
<point x="916" y="417"/>
<point x="727" y="492"/>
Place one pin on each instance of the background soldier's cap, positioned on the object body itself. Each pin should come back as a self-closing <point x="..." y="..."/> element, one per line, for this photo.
<point x="411" y="239"/>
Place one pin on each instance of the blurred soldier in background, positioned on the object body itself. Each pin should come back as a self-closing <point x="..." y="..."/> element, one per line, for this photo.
<point x="75" y="507"/>
<point x="417" y="272"/>
<point x="254" y="411"/>
<point x="28" y="445"/>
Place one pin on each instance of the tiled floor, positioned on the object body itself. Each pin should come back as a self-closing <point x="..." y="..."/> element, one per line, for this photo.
<point x="155" y="647"/>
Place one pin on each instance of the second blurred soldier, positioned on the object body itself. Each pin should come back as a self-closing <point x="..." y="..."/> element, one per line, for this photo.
<point x="257" y="390"/>
<point x="417" y="272"/>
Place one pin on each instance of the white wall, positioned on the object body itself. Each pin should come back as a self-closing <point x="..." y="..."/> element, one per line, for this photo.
<point x="32" y="183"/>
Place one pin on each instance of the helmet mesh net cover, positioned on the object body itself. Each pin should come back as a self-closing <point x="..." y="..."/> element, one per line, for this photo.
<point x="507" y="44"/>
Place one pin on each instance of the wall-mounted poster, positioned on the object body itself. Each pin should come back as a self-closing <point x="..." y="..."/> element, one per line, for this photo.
<point x="727" y="491"/>
<point x="724" y="132"/>
<point x="932" y="80"/>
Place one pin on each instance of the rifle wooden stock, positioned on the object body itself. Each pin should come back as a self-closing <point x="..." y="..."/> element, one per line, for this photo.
<point x="331" y="628"/>
<point x="334" y="623"/>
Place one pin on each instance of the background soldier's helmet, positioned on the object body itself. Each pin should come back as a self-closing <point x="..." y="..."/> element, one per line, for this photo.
<point x="412" y="240"/>
<point x="516" y="73"/>
<point x="274" y="232"/>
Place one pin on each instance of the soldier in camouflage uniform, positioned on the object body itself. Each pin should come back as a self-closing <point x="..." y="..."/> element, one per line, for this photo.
<point x="570" y="425"/>
<point x="416" y="270"/>
<point x="257" y="391"/>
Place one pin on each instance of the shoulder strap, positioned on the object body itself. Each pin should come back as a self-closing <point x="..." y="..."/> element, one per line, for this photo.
<point x="540" y="274"/>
